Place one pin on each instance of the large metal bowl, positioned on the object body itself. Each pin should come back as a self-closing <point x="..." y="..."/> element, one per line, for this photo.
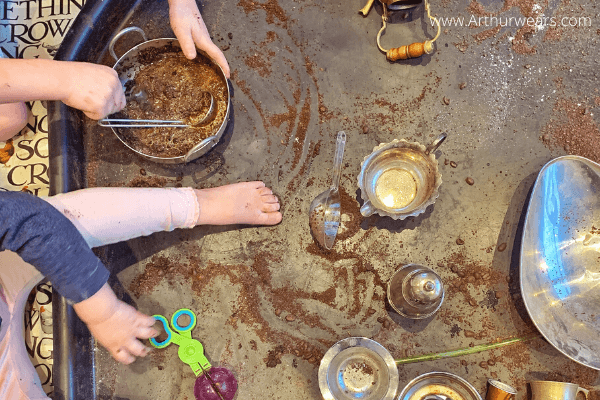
<point x="358" y="368"/>
<point x="560" y="257"/>
<point x="128" y="65"/>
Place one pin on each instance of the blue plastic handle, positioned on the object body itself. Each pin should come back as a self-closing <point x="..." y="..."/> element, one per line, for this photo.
<point x="167" y="341"/>
<point x="179" y="313"/>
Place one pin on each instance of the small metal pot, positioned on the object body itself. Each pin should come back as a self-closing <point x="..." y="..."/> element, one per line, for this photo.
<point x="128" y="65"/>
<point x="439" y="385"/>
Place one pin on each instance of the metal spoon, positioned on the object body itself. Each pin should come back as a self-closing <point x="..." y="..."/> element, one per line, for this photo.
<point x="210" y="111"/>
<point x="324" y="212"/>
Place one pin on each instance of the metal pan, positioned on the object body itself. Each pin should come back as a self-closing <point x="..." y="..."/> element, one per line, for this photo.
<point x="128" y="65"/>
<point x="560" y="271"/>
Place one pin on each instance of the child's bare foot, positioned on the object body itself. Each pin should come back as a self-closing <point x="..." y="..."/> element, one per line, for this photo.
<point x="239" y="203"/>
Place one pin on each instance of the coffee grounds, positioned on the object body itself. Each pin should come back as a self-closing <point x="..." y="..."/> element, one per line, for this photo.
<point x="573" y="129"/>
<point x="175" y="89"/>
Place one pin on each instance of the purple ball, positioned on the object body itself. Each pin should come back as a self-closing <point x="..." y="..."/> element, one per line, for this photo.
<point x="223" y="379"/>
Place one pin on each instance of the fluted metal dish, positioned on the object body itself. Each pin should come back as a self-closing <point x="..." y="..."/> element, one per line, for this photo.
<point x="411" y="157"/>
<point x="560" y="257"/>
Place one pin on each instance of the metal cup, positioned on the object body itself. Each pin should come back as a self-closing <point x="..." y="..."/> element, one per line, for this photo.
<point x="549" y="390"/>
<point x="499" y="391"/>
<point x="400" y="179"/>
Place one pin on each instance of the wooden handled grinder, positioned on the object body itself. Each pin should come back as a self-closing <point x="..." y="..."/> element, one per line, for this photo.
<point x="405" y="52"/>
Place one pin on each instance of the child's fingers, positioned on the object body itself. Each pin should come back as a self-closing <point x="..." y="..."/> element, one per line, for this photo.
<point x="121" y="101"/>
<point x="144" y="321"/>
<point x="204" y="43"/>
<point x="136" y="348"/>
<point x="146" y="333"/>
<point x="123" y="356"/>
<point x="186" y="42"/>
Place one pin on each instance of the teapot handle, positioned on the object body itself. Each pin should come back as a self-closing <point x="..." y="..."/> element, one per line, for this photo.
<point x="436" y="143"/>
<point x="585" y="392"/>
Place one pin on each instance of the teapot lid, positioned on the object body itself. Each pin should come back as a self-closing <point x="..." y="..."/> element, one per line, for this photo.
<point x="425" y="287"/>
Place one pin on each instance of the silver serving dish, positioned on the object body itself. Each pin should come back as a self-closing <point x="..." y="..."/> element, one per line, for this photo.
<point x="560" y="257"/>
<point x="439" y="386"/>
<point x="358" y="368"/>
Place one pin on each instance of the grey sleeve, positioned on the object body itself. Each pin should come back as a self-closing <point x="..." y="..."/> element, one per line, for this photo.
<point x="46" y="239"/>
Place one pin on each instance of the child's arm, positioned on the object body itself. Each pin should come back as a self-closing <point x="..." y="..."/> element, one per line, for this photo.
<point x="91" y="88"/>
<point x="43" y="237"/>
<point x="13" y="118"/>
<point x="189" y="27"/>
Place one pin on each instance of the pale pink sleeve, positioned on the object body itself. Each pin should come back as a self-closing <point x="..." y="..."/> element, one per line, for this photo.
<point x="111" y="215"/>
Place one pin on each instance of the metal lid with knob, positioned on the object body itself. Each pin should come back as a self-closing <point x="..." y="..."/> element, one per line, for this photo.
<point x="423" y="287"/>
<point x="415" y="291"/>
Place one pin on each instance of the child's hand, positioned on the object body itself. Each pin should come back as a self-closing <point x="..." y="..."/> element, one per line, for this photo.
<point x="189" y="27"/>
<point x="92" y="88"/>
<point x="116" y="325"/>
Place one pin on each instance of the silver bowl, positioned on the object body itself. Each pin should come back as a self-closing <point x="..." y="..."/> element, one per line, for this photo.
<point x="358" y="368"/>
<point x="560" y="271"/>
<point x="439" y="386"/>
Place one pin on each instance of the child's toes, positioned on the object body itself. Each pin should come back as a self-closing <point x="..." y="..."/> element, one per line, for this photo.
<point x="269" y="198"/>
<point x="264" y="191"/>
<point x="269" y="218"/>
<point x="256" y="184"/>
<point x="270" y="207"/>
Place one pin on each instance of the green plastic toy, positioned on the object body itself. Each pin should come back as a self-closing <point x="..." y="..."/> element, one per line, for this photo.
<point x="191" y="350"/>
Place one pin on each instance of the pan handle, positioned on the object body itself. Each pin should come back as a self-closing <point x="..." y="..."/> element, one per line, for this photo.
<point x="111" y="45"/>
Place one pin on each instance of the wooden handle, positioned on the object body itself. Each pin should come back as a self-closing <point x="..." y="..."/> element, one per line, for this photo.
<point x="414" y="50"/>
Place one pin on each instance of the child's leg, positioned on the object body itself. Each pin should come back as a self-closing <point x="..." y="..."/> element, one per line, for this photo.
<point x="110" y="215"/>
<point x="18" y="378"/>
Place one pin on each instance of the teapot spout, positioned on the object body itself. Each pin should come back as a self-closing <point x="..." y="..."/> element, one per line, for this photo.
<point x="367" y="209"/>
